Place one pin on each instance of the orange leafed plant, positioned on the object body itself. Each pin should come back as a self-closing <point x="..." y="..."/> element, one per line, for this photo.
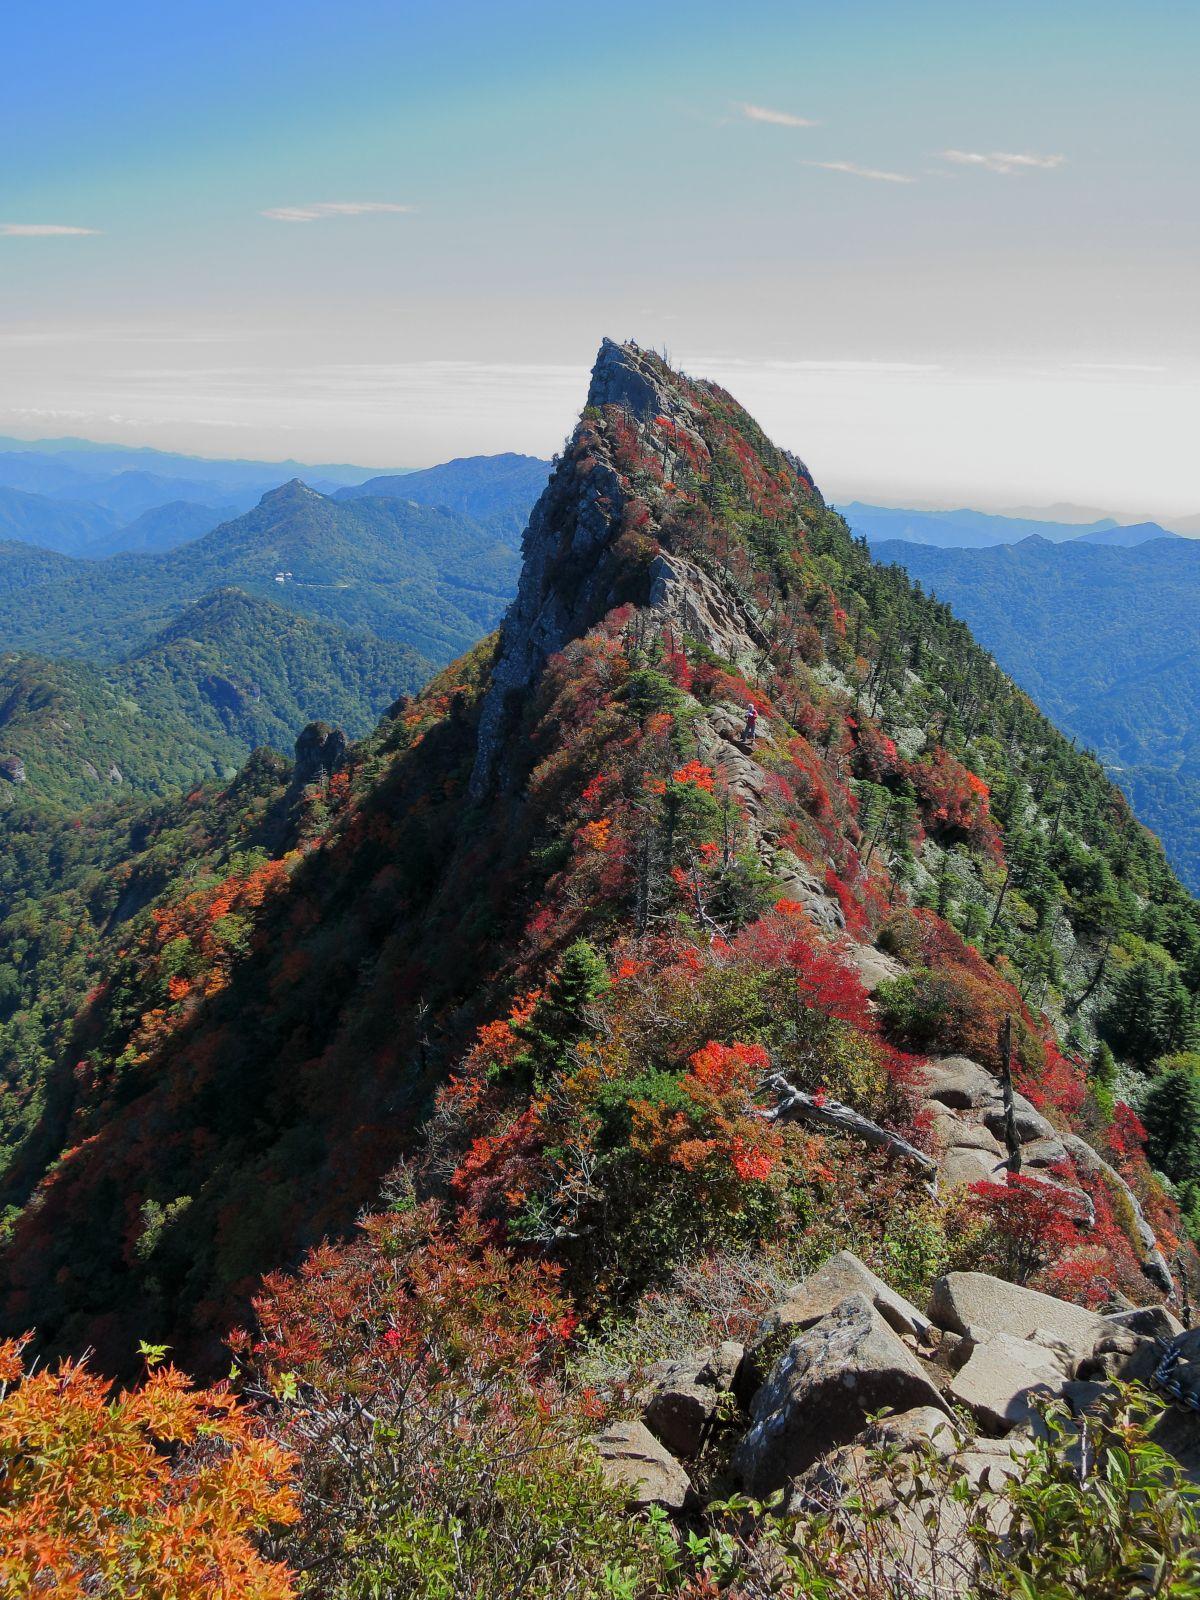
<point x="156" y="1492"/>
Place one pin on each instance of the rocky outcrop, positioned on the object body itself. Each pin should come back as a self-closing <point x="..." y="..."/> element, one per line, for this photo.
<point x="12" y="770"/>
<point x="969" y="1124"/>
<point x="962" y="1384"/>
<point x="320" y="751"/>
<point x="822" y="1291"/>
<point x="681" y="1404"/>
<point x="823" y="1391"/>
<point x="966" y="1301"/>
<point x="570" y="576"/>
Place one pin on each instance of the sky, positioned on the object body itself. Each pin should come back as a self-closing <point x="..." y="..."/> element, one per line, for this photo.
<point x="946" y="252"/>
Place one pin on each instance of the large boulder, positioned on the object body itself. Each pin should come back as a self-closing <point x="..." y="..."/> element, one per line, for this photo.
<point x="960" y="1083"/>
<point x="975" y="1300"/>
<point x="1148" y="1322"/>
<point x="1002" y="1380"/>
<point x="841" y="1276"/>
<point x="823" y="1391"/>
<point x="962" y="1165"/>
<point x="634" y="1460"/>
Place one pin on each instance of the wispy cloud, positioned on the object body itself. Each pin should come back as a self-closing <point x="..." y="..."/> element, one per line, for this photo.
<point x="780" y="119"/>
<point x="1006" y="162"/>
<point x="41" y="230"/>
<point x="855" y="171"/>
<point x="1116" y="366"/>
<point x="332" y="208"/>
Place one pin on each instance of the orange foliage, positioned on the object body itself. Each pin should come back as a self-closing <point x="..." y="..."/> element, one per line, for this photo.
<point x="157" y="1492"/>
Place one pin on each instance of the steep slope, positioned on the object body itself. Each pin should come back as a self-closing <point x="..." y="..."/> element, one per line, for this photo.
<point x="228" y="675"/>
<point x="421" y="577"/>
<point x="662" y="926"/>
<point x="497" y="490"/>
<point x="1107" y="640"/>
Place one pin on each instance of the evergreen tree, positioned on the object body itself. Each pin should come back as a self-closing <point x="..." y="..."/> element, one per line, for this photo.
<point x="557" y="1021"/>
<point x="1171" y="1114"/>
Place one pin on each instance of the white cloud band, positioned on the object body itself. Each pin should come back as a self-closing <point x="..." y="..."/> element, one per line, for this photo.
<point x="855" y="171"/>
<point x="1006" y="162"/>
<point x="332" y="208"/>
<point x="779" y="119"/>
<point x="42" y="230"/>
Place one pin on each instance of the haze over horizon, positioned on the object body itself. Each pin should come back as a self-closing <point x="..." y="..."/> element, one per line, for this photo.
<point x="892" y="232"/>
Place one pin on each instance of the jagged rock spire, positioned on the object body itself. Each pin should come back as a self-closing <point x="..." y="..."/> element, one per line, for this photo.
<point x="566" y="582"/>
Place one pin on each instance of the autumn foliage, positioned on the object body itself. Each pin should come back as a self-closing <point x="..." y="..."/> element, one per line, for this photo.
<point x="158" y="1492"/>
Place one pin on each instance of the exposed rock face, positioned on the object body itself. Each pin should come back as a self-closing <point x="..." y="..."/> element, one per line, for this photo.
<point x="570" y="576"/>
<point x="633" y="1459"/>
<point x="319" y="753"/>
<point x="823" y="1391"/>
<point x="12" y="770"/>
<point x="686" y="597"/>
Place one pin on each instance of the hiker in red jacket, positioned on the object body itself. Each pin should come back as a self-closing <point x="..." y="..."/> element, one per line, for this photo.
<point x="751" y="728"/>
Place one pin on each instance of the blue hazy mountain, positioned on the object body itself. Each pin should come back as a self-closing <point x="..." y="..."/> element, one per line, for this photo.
<point x="979" y="530"/>
<point x="497" y="490"/>
<point x="1133" y="534"/>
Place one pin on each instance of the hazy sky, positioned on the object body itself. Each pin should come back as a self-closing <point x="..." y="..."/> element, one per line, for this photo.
<point x="945" y="251"/>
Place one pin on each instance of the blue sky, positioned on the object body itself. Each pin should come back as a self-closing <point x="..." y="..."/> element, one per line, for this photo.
<point x="819" y="205"/>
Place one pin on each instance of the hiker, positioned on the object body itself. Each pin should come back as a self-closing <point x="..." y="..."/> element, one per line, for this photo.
<point x="751" y="728"/>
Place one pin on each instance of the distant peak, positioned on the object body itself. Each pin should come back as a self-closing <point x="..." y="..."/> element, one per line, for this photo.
<point x="289" y="493"/>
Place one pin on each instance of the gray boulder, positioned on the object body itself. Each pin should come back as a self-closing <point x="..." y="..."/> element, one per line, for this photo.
<point x="681" y="1402"/>
<point x="1148" y="1322"/>
<point x="963" y="1300"/>
<point x="823" y="1391"/>
<point x="1002" y="1380"/>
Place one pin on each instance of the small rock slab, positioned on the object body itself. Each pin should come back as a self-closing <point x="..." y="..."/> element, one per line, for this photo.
<point x="823" y="1391"/>
<point x="873" y="966"/>
<point x="634" y="1460"/>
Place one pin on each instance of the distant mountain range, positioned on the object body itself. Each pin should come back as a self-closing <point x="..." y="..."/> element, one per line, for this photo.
<point x="165" y="665"/>
<point x="1107" y="640"/>
<point x="95" y="501"/>
<point x="977" y="530"/>
<point x="229" y="674"/>
<point x="412" y="574"/>
<point x="498" y="490"/>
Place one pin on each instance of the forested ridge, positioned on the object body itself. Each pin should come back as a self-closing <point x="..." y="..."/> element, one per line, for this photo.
<point x="1108" y="642"/>
<point x="413" y="574"/>
<point x="229" y="674"/>
<point x="535" y="971"/>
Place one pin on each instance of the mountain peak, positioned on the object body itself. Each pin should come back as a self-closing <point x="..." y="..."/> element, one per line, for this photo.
<point x="632" y="515"/>
<point x="625" y="375"/>
<point x="294" y="492"/>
